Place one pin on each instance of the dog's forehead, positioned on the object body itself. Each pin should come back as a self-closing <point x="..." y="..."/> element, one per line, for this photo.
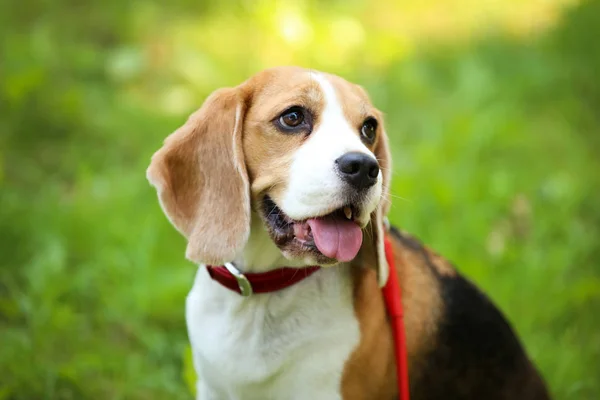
<point x="353" y="99"/>
<point x="283" y="86"/>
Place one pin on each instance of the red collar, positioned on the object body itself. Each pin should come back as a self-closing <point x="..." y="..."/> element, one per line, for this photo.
<point x="264" y="282"/>
<point x="281" y="278"/>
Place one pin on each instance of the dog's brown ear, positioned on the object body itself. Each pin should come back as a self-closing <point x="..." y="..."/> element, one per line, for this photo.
<point x="201" y="179"/>
<point x="384" y="158"/>
<point x="373" y="251"/>
<point x="382" y="152"/>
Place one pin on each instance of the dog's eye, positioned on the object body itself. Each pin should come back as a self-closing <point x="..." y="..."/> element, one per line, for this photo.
<point x="294" y="120"/>
<point x="369" y="130"/>
<point x="292" y="117"/>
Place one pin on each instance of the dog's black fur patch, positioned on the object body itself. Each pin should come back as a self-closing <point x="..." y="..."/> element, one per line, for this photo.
<point x="476" y="355"/>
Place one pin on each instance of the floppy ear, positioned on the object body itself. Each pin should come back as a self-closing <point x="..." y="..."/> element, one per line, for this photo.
<point x="201" y="179"/>
<point x="373" y="252"/>
<point x="379" y="220"/>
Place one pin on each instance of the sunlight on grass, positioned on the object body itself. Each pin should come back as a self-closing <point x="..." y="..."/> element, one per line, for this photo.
<point x="207" y="52"/>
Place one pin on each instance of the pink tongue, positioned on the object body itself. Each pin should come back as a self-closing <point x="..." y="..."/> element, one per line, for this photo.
<point x="336" y="238"/>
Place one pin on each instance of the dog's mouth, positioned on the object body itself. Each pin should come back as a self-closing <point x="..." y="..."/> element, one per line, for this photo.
<point x="335" y="236"/>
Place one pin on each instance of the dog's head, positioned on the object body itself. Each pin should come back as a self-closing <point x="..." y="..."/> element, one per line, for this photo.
<point x="303" y="150"/>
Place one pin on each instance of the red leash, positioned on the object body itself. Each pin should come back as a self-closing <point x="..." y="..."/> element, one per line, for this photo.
<point x="393" y="301"/>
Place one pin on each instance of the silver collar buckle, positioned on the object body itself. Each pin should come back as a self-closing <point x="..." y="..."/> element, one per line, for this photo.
<point x="242" y="281"/>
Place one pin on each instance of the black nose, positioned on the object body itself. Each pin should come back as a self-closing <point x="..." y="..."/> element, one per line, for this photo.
<point x="358" y="169"/>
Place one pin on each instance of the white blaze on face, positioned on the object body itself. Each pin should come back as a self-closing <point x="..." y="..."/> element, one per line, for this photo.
<point x="314" y="186"/>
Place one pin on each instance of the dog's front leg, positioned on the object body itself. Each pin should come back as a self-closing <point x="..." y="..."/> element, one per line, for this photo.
<point x="203" y="392"/>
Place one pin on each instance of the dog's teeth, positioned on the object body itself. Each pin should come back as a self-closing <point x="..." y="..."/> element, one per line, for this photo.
<point x="348" y="212"/>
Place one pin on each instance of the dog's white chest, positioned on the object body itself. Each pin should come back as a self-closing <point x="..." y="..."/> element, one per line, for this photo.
<point x="290" y="344"/>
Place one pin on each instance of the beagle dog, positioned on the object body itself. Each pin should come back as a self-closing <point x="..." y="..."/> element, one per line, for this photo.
<point x="292" y="169"/>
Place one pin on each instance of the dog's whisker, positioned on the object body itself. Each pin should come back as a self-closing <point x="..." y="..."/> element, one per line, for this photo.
<point x="390" y="170"/>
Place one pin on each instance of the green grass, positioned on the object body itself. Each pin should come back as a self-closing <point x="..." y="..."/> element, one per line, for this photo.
<point x="495" y="165"/>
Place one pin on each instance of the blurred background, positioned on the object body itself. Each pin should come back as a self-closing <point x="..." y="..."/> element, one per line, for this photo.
<point x="493" y="108"/>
